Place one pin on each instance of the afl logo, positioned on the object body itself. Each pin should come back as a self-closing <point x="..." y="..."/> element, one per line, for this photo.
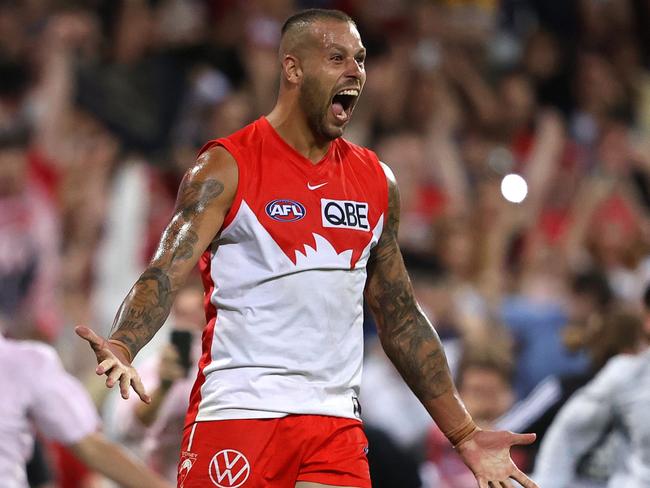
<point x="285" y="210"/>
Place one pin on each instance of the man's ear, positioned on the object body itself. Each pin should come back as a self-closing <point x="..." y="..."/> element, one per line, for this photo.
<point x="291" y="69"/>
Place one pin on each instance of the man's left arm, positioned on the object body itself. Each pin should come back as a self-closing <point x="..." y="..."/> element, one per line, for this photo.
<point x="412" y="344"/>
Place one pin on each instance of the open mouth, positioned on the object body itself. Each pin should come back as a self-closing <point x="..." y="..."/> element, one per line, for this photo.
<point x="343" y="103"/>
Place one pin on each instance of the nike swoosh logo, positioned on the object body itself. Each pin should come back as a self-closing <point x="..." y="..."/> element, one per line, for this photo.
<point x="315" y="187"/>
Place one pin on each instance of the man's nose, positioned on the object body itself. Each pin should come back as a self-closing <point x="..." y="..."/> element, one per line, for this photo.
<point x="354" y="69"/>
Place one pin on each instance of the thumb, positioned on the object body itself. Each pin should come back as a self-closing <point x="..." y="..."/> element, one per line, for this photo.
<point x="522" y="439"/>
<point x="89" y="335"/>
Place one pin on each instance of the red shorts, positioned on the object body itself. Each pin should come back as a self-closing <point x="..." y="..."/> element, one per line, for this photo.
<point x="263" y="453"/>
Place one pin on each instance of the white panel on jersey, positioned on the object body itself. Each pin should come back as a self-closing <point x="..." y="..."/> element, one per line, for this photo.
<point x="323" y="255"/>
<point x="281" y="345"/>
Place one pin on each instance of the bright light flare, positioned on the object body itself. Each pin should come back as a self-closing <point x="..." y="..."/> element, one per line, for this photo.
<point x="514" y="188"/>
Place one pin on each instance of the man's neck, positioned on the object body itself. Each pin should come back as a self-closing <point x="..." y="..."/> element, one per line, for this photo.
<point x="291" y="125"/>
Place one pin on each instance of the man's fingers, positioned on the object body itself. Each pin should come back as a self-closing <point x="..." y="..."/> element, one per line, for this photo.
<point x="114" y="376"/>
<point x="506" y="484"/>
<point x="522" y="439"/>
<point x="124" y="386"/>
<point x="105" y="365"/>
<point x="482" y="483"/>
<point x="88" y="334"/>
<point x="138" y="387"/>
<point x="111" y="366"/>
<point x="523" y="480"/>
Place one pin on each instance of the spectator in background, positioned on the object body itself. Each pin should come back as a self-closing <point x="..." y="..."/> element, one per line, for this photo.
<point x="37" y="389"/>
<point x="605" y="335"/>
<point x="29" y="245"/>
<point x="421" y="201"/>
<point x="615" y="401"/>
<point x="537" y="322"/>
<point x="435" y="296"/>
<point x="590" y="300"/>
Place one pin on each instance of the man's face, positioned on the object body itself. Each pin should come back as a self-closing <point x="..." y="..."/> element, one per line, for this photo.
<point x="333" y="77"/>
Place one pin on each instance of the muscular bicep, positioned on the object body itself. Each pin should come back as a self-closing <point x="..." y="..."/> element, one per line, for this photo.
<point x="204" y="198"/>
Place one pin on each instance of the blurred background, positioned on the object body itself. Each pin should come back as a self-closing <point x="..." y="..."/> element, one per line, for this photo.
<point x="533" y="281"/>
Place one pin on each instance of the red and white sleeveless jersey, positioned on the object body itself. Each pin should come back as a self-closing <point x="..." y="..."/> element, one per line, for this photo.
<point x="284" y="281"/>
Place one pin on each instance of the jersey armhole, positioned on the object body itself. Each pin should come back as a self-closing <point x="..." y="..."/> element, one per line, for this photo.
<point x="236" y="203"/>
<point x="384" y="185"/>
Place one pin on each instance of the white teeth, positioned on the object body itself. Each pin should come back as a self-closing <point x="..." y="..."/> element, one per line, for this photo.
<point x="354" y="93"/>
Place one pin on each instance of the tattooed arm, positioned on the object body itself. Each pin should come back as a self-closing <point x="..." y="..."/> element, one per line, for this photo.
<point x="412" y="344"/>
<point x="204" y="197"/>
<point x="407" y="336"/>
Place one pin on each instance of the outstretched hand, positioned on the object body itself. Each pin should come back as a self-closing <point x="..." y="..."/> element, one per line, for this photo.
<point x="487" y="454"/>
<point x="114" y="363"/>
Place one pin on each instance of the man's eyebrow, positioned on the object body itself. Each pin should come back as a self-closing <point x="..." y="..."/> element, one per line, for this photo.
<point x="340" y="47"/>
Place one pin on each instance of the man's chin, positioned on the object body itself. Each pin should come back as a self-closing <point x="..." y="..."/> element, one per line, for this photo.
<point x="337" y="132"/>
<point x="334" y="130"/>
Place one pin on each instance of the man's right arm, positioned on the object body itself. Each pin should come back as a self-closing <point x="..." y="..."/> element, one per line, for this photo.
<point x="204" y="198"/>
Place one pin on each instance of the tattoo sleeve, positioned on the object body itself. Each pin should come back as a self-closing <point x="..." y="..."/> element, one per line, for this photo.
<point x="406" y="335"/>
<point x="149" y="301"/>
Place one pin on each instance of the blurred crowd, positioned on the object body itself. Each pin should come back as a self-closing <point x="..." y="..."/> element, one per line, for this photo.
<point x="104" y="104"/>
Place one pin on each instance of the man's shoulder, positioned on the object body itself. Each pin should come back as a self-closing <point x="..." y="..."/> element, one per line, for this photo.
<point x="246" y="137"/>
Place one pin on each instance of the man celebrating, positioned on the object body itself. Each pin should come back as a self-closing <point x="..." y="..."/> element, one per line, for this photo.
<point x="292" y="225"/>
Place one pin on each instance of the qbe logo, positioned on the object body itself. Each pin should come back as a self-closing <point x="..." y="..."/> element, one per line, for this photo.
<point x="284" y="210"/>
<point x="344" y="213"/>
<point x="229" y="469"/>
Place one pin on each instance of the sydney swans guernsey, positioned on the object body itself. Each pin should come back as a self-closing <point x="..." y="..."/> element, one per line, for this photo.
<point x="284" y="281"/>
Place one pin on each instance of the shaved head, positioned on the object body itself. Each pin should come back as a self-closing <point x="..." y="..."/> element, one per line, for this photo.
<point x="322" y="69"/>
<point x="296" y="32"/>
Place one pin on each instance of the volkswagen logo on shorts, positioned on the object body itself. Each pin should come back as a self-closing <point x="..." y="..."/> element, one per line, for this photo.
<point x="284" y="210"/>
<point x="229" y="469"/>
